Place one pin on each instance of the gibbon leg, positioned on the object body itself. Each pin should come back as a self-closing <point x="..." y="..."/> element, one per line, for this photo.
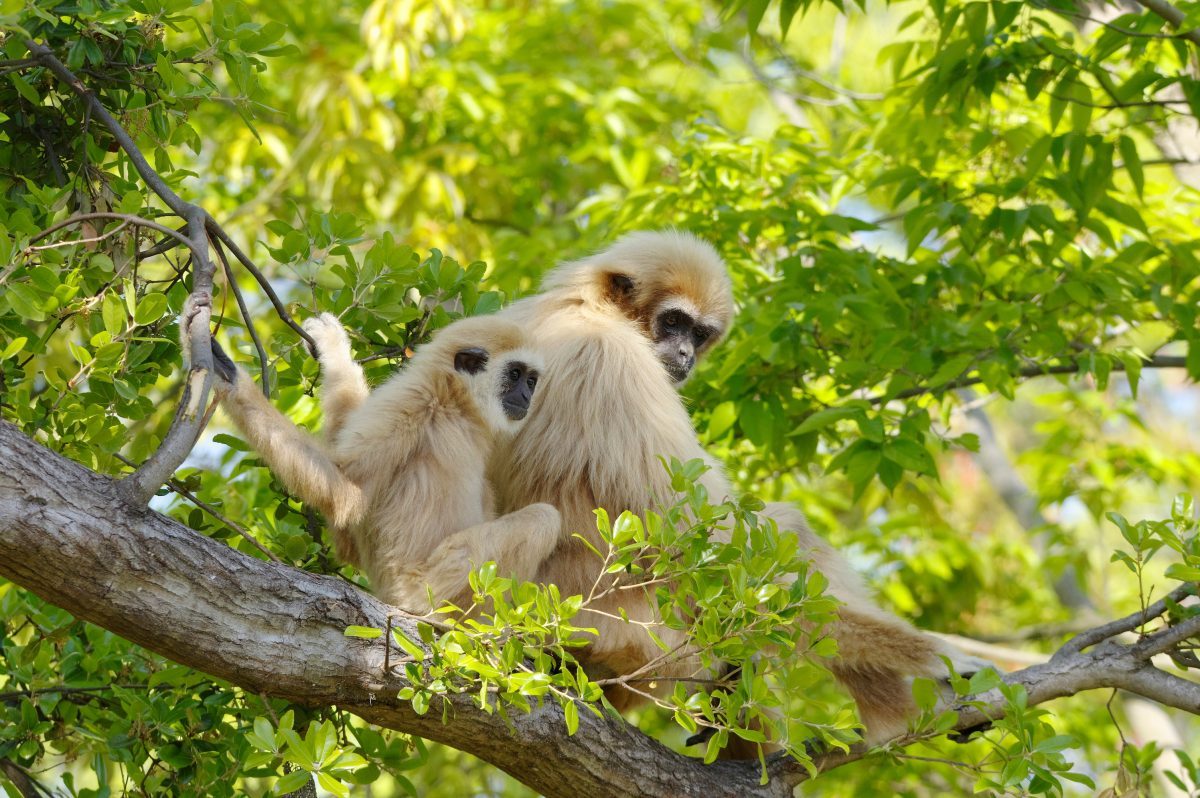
<point x="878" y="653"/>
<point x="343" y="386"/>
<point x="517" y="542"/>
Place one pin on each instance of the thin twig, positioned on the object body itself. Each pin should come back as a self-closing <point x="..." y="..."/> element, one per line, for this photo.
<point x="267" y="288"/>
<point x="263" y="364"/>
<point x="177" y="487"/>
<point x="74" y="241"/>
<point x="1028" y="372"/>
<point x="127" y="218"/>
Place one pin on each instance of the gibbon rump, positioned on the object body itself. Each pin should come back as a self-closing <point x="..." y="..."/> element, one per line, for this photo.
<point x="401" y="478"/>
<point x="620" y="330"/>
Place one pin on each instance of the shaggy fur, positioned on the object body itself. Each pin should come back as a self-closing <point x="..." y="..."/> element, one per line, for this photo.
<point x="604" y="421"/>
<point x="400" y="476"/>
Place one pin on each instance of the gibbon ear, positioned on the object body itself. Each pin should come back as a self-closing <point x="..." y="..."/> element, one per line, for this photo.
<point x="470" y="360"/>
<point x="620" y="287"/>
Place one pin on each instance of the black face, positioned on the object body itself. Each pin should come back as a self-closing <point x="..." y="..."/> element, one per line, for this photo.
<point x="677" y="338"/>
<point x="516" y="389"/>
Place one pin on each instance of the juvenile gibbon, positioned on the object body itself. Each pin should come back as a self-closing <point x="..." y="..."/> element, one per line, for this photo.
<point x="400" y="476"/>
<point x="620" y="330"/>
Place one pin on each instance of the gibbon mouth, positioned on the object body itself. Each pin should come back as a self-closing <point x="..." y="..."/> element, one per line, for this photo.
<point x="677" y="371"/>
<point x="515" y="412"/>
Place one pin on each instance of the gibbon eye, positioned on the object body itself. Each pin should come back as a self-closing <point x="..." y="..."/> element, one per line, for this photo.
<point x="700" y="335"/>
<point x="514" y="374"/>
<point x="531" y="382"/>
<point x="672" y="319"/>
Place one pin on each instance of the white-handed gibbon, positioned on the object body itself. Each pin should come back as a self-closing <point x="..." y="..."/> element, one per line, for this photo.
<point x="620" y="330"/>
<point x="400" y="476"/>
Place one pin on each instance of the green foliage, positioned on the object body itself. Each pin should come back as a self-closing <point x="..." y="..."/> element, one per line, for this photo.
<point x="915" y="198"/>
<point x="750" y="600"/>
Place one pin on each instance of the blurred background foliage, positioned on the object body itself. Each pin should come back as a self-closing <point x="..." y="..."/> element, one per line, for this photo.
<point x="924" y="205"/>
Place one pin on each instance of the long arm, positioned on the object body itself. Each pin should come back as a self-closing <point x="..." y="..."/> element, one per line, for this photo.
<point x="343" y="386"/>
<point x="292" y="454"/>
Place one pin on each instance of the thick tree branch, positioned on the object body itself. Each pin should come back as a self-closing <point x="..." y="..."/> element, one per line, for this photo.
<point x="70" y="536"/>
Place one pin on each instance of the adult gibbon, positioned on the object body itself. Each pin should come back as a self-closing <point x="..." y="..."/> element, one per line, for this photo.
<point x="400" y="476"/>
<point x="620" y="330"/>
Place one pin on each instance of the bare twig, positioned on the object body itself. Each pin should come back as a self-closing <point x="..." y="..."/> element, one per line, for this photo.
<point x="267" y="288"/>
<point x="263" y="362"/>
<point x="127" y="218"/>
<point x="176" y="486"/>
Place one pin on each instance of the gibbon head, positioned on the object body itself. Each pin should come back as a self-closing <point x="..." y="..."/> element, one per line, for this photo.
<point x="673" y="285"/>
<point x="491" y="358"/>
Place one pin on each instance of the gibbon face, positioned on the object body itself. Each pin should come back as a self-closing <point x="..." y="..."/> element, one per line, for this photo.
<point x="511" y="381"/>
<point x="676" y="288"/>
<point x="499" y="372"/>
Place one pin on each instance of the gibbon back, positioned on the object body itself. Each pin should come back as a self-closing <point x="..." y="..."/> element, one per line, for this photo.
<point x="402" y="480"/>
<point x="620" y="330"/>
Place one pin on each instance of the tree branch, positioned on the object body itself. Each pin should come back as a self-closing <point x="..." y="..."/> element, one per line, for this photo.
<point x="263" y="282"/>
<point x="1073" y="366"/>
<point x="1173" y="15"/>
<point x="1127" y="624"/>
<point x="185" y="427"/>
<point x="231" y="281"/>
<point x="278" y="631"/>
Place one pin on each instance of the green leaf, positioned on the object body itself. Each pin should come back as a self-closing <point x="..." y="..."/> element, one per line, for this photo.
<point x="292" y="782"/>
<point x="1133" y="164"/>
<point x="823" y="418"/>
<point x="365" y="632"/>
<point x="150" y="309"/>
<point x="721" y="419"/>
<point x="409" y="647"/>
<point x="571" y="716"/>
<point x="14" y="347"/>
<point x="333" y="785"/>
<point x="113" y="312"/>
<point x="24" y="89"/>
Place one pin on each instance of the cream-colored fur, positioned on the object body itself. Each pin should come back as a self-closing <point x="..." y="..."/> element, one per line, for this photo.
<point x="604" y="421"/>
<point x="400" y="478"/>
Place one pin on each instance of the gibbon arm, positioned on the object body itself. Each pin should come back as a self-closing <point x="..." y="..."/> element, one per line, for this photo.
<point x="517" y="542"/>
<point x="293" y="455"/>
<point x="343" y="386"/>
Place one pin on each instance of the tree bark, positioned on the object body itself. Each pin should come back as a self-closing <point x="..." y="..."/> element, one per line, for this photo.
<point x="70" y="536"/>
